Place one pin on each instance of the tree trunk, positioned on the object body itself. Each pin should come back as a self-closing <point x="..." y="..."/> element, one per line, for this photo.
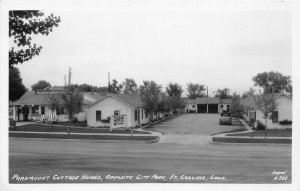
<point x="266" y="129"/>
<point x="69" y="127"/>
<point x="52" y="121"/>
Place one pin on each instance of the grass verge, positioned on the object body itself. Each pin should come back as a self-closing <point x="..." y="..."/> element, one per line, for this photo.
<point x="247" y="140"/>
<point x="270" y="133"/>
<point x="49" y="128"/>
<point x="89" y="137"/>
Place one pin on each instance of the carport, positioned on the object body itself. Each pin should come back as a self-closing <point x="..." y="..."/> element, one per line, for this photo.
<point x="207" y="105"/>
<point x="207" y="108"/>
<point x="212" y="108"/>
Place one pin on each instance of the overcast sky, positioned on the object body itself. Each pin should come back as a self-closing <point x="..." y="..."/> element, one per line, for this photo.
<point x="216" y="48"/>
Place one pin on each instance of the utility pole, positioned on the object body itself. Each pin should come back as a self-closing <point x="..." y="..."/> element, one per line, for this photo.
<point x="207" y="91"/>
<point x="109" y="91"/>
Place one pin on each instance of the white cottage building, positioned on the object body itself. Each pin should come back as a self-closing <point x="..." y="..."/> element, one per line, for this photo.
<point x="100" y="112"/>
<point x="283" y="112"/>
<point x="34" y="104"/>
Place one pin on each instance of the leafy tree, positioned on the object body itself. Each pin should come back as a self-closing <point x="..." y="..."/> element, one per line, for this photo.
<point x="85" y="87"/>
<point x="223" y="93"/>
<point x="174" y="89"/>
<point x="16" y="87"/>
<point x="273" y="81"/>
<point x="89" y="88"/>
<point x="176" y="102"/>
<point x="130" y="87"/>
<point x="163" y="104"/>
<point x="150" y="91"/>
<point x="42" y="84"/>
<point x="54" y="103"/>
<point x="115" y="88"/>
<point x="250" y="92"/>
<point x="266" y="103"/>
<point x="195" y="90"/>
<point x="23" y="24"/>
<point x="236" y="108"/>
<point x="72" y="100"/>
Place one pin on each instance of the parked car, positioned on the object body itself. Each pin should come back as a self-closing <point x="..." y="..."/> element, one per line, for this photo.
<point x="225" y="120"/>
<point x="225" y="113"/>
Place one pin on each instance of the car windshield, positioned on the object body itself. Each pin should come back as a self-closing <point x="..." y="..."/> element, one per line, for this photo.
<point x="225" y="117"/>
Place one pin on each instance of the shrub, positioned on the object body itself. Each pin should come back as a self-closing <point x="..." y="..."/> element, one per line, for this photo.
<point x="74" y="120"/>
<point x="285" y="122"/>
<point x="260" y="126"/>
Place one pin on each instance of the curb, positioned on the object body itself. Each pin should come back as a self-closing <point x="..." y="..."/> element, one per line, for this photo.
<point x="154" y="141"/>
<point x="93" y="140"/>
<point x="256" y="140"/>
<point x="74" y="136"/>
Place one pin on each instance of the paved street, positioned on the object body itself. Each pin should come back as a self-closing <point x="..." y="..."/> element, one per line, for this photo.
<point x="237" y="163"/>
<point x="184" y="150"/>
<point x="191" y="128"/>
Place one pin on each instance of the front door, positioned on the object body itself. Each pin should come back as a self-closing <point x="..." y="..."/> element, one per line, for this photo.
<point x="139" y="120"/>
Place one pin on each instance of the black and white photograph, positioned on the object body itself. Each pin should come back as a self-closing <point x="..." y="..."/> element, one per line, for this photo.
<point x="185" y="94"/>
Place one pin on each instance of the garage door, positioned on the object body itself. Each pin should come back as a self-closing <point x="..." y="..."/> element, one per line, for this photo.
<point x="202" y="108"/>
<point x="212" y="108"/>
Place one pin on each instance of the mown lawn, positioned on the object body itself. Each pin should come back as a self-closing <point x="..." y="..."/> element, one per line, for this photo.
<point x="49" y="128"/>
<point x="270" y="133"/>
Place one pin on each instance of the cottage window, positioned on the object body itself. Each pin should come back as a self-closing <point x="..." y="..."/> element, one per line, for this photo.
<point x="42" y="110"/>
<point x="58" y="111"/>
<point x="35" y="109"/>
<point x="275" y="116"/>
<point x="117" y="112"/>
<point x="98" y="115"/>
<point x="221" y="106"/>
<point x="136" y="115"/>
<point x="193" y="106"/>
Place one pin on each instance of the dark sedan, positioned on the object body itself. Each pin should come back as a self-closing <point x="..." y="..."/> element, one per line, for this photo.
<point x="225" y="120"/>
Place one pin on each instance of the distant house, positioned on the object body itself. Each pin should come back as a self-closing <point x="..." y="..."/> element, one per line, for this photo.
<point x="207" y="105"/>
<point x="283" y="112"/>
<point x="100" y="112"/>
<point x="33" y="104"/>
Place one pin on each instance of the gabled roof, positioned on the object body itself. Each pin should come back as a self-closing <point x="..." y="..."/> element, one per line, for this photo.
<point x="133" y="100"/>
<point x="250" y="102"/>
<point x="32" y="98"/>
<point x="93" y="96"/>
<point x="54" y="88"/>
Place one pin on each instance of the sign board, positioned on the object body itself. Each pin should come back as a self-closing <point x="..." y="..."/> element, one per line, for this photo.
<point x="118" y="121"/>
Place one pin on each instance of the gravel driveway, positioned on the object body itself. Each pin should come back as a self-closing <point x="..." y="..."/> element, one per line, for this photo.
<point x="191" y="128"/>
